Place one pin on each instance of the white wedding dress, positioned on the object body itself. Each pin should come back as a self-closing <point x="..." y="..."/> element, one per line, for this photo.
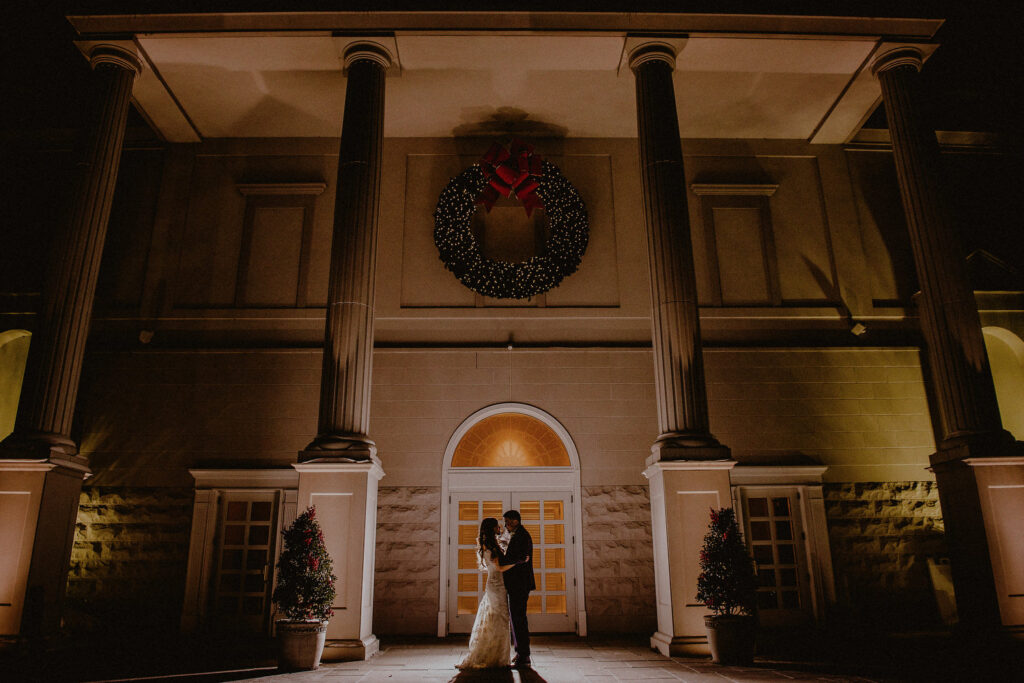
<point x="490" y="644"/>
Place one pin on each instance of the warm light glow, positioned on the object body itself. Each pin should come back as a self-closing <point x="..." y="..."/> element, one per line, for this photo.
<point x="510" y="440"/>
<point x="13" y="355"/>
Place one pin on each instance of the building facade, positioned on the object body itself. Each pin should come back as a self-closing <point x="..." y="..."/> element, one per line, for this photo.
<point x="776" y="308"/>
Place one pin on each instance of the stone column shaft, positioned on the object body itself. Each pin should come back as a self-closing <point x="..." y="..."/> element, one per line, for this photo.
<point x="949" y="314"/>
<point x="348" y="346"/>
<point x="55" y="363"/>
<point x="678" y="359"/>
<point x="959" y="371"/>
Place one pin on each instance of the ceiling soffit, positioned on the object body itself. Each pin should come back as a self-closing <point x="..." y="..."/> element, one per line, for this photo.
<point x="291" y="84"/>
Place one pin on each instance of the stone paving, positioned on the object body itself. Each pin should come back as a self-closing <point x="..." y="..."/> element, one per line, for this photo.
<point x="556" y="659"/>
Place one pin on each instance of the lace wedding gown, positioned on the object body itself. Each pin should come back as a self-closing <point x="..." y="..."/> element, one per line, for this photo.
<point x="490" y="644"/>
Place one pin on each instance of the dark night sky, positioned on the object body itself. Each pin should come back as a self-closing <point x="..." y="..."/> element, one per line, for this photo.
<point x="974" y="81"/>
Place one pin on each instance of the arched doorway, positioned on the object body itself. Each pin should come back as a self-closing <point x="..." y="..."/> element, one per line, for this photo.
<point x="513" y="455"/>
<point x="13" y="357"/>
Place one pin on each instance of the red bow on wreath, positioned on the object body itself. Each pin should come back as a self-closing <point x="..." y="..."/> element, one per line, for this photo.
<point x="517" y="172"/>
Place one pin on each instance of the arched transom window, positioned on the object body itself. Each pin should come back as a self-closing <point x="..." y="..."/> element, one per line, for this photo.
<point x="510" y="440"/>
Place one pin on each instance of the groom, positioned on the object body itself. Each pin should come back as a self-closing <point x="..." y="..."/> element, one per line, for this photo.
<point x="518" y="584"/>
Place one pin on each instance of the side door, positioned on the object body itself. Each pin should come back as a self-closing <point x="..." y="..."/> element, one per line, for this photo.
<point x="246" y="526"/>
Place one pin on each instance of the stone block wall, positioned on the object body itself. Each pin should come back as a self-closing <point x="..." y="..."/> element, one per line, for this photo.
<point x="618" y="559"/>
<point x="405" y="584"/>
<point x="882" y="535"/>
<point x="129" y="558"/>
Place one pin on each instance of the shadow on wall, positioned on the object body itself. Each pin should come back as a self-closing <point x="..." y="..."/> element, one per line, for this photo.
<point x="883" y="535"/>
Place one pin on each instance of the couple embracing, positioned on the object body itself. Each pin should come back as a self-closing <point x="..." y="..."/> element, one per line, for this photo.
<point x="503" y="607"/>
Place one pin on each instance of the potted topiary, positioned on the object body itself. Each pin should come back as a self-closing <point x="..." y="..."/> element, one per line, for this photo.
<point x="727" y="587"/>
<point x="304" y="594"/>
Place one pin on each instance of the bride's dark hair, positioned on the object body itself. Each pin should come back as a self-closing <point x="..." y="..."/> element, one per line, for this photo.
<point x="488" y="539"/>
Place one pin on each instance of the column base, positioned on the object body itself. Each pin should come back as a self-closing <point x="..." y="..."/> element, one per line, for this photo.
<point x="673" y="451"/>
<point x="56" y="449"/>
<point x="350" y="650"/>
<point x="340" y="449"/>
<point x="680" y="646"/>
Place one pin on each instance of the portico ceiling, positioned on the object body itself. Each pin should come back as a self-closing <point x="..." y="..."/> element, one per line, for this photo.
<point x="258" y="84"/>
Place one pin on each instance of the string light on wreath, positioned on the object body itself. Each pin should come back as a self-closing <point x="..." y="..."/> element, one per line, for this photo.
<point x="536" y="183"/>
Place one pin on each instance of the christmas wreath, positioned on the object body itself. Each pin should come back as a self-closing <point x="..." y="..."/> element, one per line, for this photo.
<point x="534" y="182"/>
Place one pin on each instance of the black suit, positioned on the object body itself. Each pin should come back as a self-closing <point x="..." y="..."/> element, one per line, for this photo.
<point x="518" y="583"/>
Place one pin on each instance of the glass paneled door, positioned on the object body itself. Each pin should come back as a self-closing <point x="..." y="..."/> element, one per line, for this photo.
<point x="245" y="552"/>
<point x="547" y="516"/>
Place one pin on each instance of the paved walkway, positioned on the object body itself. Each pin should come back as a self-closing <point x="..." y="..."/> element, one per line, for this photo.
<point x="556" y="659"/>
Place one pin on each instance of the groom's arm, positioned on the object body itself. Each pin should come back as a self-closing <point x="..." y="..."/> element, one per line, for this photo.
<point x="515" y="552"/>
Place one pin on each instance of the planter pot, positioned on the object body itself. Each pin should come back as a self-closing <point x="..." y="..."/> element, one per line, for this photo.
<point x="731" y="639"/>
<point x="300" y="644"/>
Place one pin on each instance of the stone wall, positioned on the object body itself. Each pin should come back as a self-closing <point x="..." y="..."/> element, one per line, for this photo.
<point x="406" y="585"/>
<point x="882" y="535"/>
<point x="618" y="559"/>
<point x="129" y="558"/>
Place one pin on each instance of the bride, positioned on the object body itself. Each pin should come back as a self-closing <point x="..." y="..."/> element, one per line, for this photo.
<point x="490" y="645"/>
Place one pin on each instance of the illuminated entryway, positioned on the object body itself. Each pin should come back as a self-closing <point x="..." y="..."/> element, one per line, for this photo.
<point x="506" y="456"/>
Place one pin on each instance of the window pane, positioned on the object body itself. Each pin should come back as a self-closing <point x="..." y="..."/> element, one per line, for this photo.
<point x="780" y="506"/>
<point x="554" y="533"/>
<point x="554" y="558"/>
<point x="468" y="559"/>
<point x="259" y="535"/>
<point x="760" y="531"/>
<point x="234" y="534"/>
<point x="530" y="509"/>
<point x="253" y="583"/>
<point x="763" y="554"/>
<point x="231" y="559"/>
<point x="783" y="531"/>
<point x="228" y="605"/>
<point x="236" y="511"/>
<point x="787" y="577"/>
<point x="230" y="583"/>
<point x="466" y="604"/>
<point x="533" y="604"/>
<point x="493" y="508"/>
<point x="256" y="559"/>
<point x="767" y="600"/>
<point x="467" y="534"/>
<point x="468" y="510"/>
<point x="554" y="604"/>
<point x="252" y="605"/>
<point x="766" y="577"/>
<point x="790" y="599"/>
<point x="553" y="510"/>
<point x="260" y="512"/>
<point x="534" y="530"/>
<point x="757" y="507"/>
<point x="786" y="554"/>
<point x="469" y="583"/>
<point x="554" y="581"/>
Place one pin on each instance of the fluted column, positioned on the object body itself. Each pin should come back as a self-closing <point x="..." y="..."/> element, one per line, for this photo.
<point x="688" y="469"/>
<point x="55" y="362"/>
<point x="39" y="463"/>
<point x="976" y="512"/>
<point x="956" y="349"/>
<point x="348" y="345"/>
<point x="678" y="360"/>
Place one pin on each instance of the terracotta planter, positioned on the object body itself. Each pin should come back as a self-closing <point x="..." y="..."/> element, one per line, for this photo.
<point x="731" y="639"/>
<point x="300" y="644"/>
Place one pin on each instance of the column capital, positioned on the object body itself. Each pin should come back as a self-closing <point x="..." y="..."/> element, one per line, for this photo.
<point x="117" y="55"/>
<point x="373" y="52"/>
<point x="900" y="56"/>
<point x="653" y="51"/>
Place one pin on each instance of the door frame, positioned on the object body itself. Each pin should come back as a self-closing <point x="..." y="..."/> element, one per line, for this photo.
<point x="511" y="478"/>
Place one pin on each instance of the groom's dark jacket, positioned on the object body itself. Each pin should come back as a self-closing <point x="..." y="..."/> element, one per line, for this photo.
<point x="519" y="578"/>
